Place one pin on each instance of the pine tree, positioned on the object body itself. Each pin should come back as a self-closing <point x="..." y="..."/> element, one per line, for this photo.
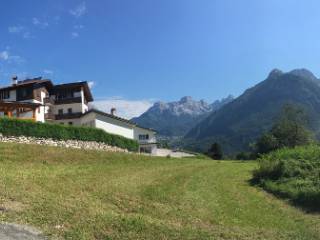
<point x="215" y="152"/>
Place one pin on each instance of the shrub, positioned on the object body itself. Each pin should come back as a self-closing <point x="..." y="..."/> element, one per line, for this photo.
<point x="293" y="174"/>
<point x="17" y="127"/>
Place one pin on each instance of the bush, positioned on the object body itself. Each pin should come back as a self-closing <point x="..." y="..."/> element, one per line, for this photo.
<point x="17" y="127"/>
<point x="293" y="174"/>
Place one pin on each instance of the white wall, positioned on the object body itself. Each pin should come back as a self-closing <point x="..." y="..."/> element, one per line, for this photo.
<point x="76" y="108"/>
<point x="113" y="126"/>
<point x="75" y="122"/>
<point x="84" y="106"/>
<point x="40" y="112"/>
<point x="13" y="96"/>
<point x="141" y="131"/>
<point x="89" y="120"/>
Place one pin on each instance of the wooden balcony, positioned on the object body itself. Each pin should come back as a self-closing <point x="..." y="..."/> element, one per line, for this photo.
<point x="48" y="101"/>
<point x="9" y="108"/>
<point x="68" y="116"/>
<point x="68" y="100"/>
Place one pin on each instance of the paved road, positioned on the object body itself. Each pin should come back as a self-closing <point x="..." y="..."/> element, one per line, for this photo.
<point x="19" y="232"/>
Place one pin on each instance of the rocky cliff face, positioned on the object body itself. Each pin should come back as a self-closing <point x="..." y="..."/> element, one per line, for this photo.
<point x="176" y="118"/>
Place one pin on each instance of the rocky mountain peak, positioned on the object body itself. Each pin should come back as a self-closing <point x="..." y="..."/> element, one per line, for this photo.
<point x="186" y="99"/>
<point x="176" y="118"/>
<point x="305" y="73"/>
<point x="275" y="73"/>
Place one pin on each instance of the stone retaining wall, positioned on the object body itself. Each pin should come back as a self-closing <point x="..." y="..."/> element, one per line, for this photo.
<point x="60" y="143"/>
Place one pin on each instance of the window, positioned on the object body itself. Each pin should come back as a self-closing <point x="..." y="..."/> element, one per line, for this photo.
<point x="24" y="92"/>
<point x="69" y="110"/>
<point x="70" y="123"/>
<point x="63" y="94"/>
<point x="60" y="111"/>
<point x="144" y="137"/>
<point x="4" y="94"/>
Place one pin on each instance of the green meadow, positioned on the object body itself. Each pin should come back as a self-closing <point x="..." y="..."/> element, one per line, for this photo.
<point x="78" y="194"/>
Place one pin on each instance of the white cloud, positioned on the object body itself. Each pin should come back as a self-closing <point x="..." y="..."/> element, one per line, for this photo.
<point x="78" y="27"/>
<point x="39" y="23"/>
<point x="125" y="108"/>
<point x="27" y="35"/>
<point x="7" y="57"/>
<point x="15" y="29"/>
<point x="79" y="10"/>
<point x="20" y="30"/>
<point x="91" y="84"/>
<point x="4" y="55"/>
<point x="48" y="72"/>
<point x="74" y="34"/>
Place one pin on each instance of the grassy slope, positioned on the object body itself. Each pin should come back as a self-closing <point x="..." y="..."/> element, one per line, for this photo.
<point x="94" y="195"/>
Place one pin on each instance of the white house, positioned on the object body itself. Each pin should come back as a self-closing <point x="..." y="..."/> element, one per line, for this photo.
<point x="38" y="99"/>
<point x="120" y="126"/>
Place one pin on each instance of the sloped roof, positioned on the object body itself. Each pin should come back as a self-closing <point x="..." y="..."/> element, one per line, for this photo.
<point x="117" y="118"/>
<point x="29" y="82"/>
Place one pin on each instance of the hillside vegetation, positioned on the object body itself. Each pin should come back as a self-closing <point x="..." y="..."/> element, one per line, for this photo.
<point x="239" y="123"/>
<point x="77" y="194"/>
<point x="293" y="174"/>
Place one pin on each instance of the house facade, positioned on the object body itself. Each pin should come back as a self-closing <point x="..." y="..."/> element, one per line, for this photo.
<point x="41" y="101"/>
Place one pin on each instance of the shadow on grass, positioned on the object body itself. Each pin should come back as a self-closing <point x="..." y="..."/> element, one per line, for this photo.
<point x="308" y="204"/>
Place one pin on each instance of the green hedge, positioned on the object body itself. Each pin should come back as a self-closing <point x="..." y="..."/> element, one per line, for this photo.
<point x="15" y="127"/>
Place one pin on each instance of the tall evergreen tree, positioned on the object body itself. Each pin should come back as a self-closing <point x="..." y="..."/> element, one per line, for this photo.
<point x="215" y="152"/>
<point x="290" y="130"/>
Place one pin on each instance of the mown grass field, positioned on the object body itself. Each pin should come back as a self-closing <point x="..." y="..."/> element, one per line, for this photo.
<point x="75" y="194"/>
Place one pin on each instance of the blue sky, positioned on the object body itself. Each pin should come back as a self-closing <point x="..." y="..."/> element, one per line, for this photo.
<point x="139" y="51"/>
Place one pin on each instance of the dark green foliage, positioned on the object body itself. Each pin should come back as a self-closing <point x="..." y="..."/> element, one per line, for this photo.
<point x="215" y="152"/>
<point x="289" y="131"/>
<point x="267" y="143"/>
<point x="293" y="174"/>
<point x="15" y="127"/>
<point x="242" y="121"/>
<point x="163" y="144"/>
<point x="245" y="156"/>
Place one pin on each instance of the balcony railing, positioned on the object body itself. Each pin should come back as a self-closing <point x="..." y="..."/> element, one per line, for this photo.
<point x="68" y="116"/>
<point x="68" y="100"/>
<point x="48" y="101"/>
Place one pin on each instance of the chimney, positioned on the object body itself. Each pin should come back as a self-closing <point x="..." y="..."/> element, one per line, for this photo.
<point x="14" y="80"/>
<point x="113" y="111"/>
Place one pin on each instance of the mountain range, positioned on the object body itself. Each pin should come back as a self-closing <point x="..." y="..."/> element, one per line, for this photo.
<point x="175" y="119"/>
<point x="240" y="122"/>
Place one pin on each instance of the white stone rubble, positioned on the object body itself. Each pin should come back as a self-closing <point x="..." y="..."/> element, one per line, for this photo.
<point x="61" y="143"/>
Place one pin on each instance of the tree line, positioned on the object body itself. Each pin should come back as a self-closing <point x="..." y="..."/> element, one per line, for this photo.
<point x="289" y="130"/>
